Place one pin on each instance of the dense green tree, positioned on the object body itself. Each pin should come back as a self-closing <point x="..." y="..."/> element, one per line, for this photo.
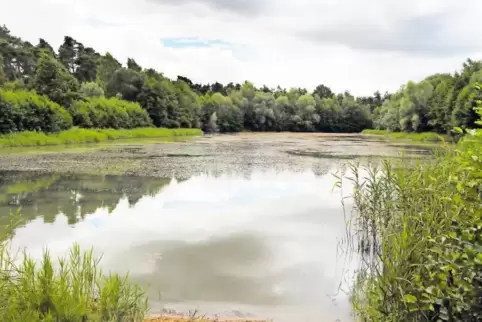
<point x="330" y="114"/>
<point x="464" y="114"/>
<point x="219" y="112"/>
<point x="91" y="90"/>
<point x="185" y="80"/>
<point x="3" y="79"/>
<point x="126" y="84"/>
<point x="189" y="107"/>
<point x="323" y="91"/>
<point x="68" y="53"/>
<point x="107" y="65"/>
<point x="264" y="107"/>
<point x="438" y="103"/>
<point x="159" y="99"/>
<point x="439" y="112"/>
<point x="46" y="46"/>
<point x="355" y="116"/>
<point x="53" y="80"/>
<point x="19" y="60"/>
<point x="86" y="65"/>
<point x="133" y="65"/>
<point x="79" y="61"/>
<point x="414" y="106"/>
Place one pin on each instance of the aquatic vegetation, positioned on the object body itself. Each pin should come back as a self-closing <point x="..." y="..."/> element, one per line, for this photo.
<point x="73" y="289"/>
<point x="79" y="136"/>
<point x="419" y="230"/>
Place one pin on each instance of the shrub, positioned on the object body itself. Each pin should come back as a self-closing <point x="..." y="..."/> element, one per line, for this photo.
<point x="27" y="111"/>
<point x="109" y="113"/>
<point x="420" y="234"/>
<point x="91" y="89"/>
<point x="73" y="290"/>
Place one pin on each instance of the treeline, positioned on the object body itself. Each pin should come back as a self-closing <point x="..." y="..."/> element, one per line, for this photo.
<point x="98" y="91"/>
<point x="438" y="103"/>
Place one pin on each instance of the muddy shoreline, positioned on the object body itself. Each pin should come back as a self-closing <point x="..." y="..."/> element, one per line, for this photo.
<point x="216" y="155"/>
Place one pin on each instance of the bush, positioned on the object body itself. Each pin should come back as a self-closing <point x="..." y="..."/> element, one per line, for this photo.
<point x="91" y="89"/>
<point x="73" y="290"/>
<point x="420" y="234"/>
<point x="109" y="113"/>
<point x="27" y="111"/>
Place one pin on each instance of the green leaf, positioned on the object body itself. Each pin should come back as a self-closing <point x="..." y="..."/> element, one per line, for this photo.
<point x="409" y="298"/>
<point x="458" y="130"/>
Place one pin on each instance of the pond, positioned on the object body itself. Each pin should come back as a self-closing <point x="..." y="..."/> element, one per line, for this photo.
<point x="264" y="244"/>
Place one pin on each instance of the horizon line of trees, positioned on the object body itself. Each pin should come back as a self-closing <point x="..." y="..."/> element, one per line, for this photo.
<point x="98" y="91"/>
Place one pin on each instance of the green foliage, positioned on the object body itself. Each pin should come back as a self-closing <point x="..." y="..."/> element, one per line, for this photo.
<point x="53" y="80"/>
<point x="19" y="60"/>
<point x="91" y="90"/>
<point x="75" y="289"/>
<point x="107" y="65"/>
<point x="109" y="113"/>
<point x="133" y="65"/>
<point x="79" y="61"/>
<point x="438" y="103"/>
<point x="79" y="136"/>
<point x="169" y="105"/>
<point x="219" y="113"/>
<point x="323" y="92"/>
<point x="422" y="223"/>
<point x="126" y="84"/>
<point x="3" y="78"/>
<point x="417" y="137"/>
<point x="464" y="115"/>
<point x="27" y="111"/>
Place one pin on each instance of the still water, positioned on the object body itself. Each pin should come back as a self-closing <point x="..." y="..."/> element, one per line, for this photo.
<point x="264" y="245"/>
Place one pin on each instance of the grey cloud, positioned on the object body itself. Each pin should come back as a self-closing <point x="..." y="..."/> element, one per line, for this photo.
<point x="429" y="34"/>
<point x="242" y="7"/>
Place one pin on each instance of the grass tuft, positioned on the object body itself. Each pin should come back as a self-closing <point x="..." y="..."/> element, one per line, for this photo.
<point x="73" y="290"/>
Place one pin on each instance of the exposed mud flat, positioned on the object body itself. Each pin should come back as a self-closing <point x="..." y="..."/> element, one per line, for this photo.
<point x="216" y="154"/>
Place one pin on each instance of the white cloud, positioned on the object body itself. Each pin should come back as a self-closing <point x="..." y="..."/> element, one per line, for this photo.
<point x="361" y="46"/>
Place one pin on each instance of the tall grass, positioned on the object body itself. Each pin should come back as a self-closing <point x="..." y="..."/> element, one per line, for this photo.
<point x="73" y="289"/>
<point x="419" y="137"/>
<point x="419" y="229"/>
<point x="79" y="136"/>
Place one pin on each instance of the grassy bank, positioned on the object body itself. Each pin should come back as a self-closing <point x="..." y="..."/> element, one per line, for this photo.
<point x="79" y="136"/>
<point x="71" y="289"/>
<point x="419" y="231"/>
<point x="416" y="137"/>
<point x="74" y="289"/>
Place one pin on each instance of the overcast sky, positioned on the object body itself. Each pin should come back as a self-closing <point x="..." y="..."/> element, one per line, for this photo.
<point x="356" y="45"/>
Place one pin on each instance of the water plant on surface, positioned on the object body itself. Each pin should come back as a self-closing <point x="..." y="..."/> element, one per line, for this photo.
<point x="72" y="289"/>
<point x="419" y="228"/>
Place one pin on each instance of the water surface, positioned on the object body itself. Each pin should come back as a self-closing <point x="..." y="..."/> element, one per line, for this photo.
<point x="252" y="229"/>
<point x="264" y="245"/>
